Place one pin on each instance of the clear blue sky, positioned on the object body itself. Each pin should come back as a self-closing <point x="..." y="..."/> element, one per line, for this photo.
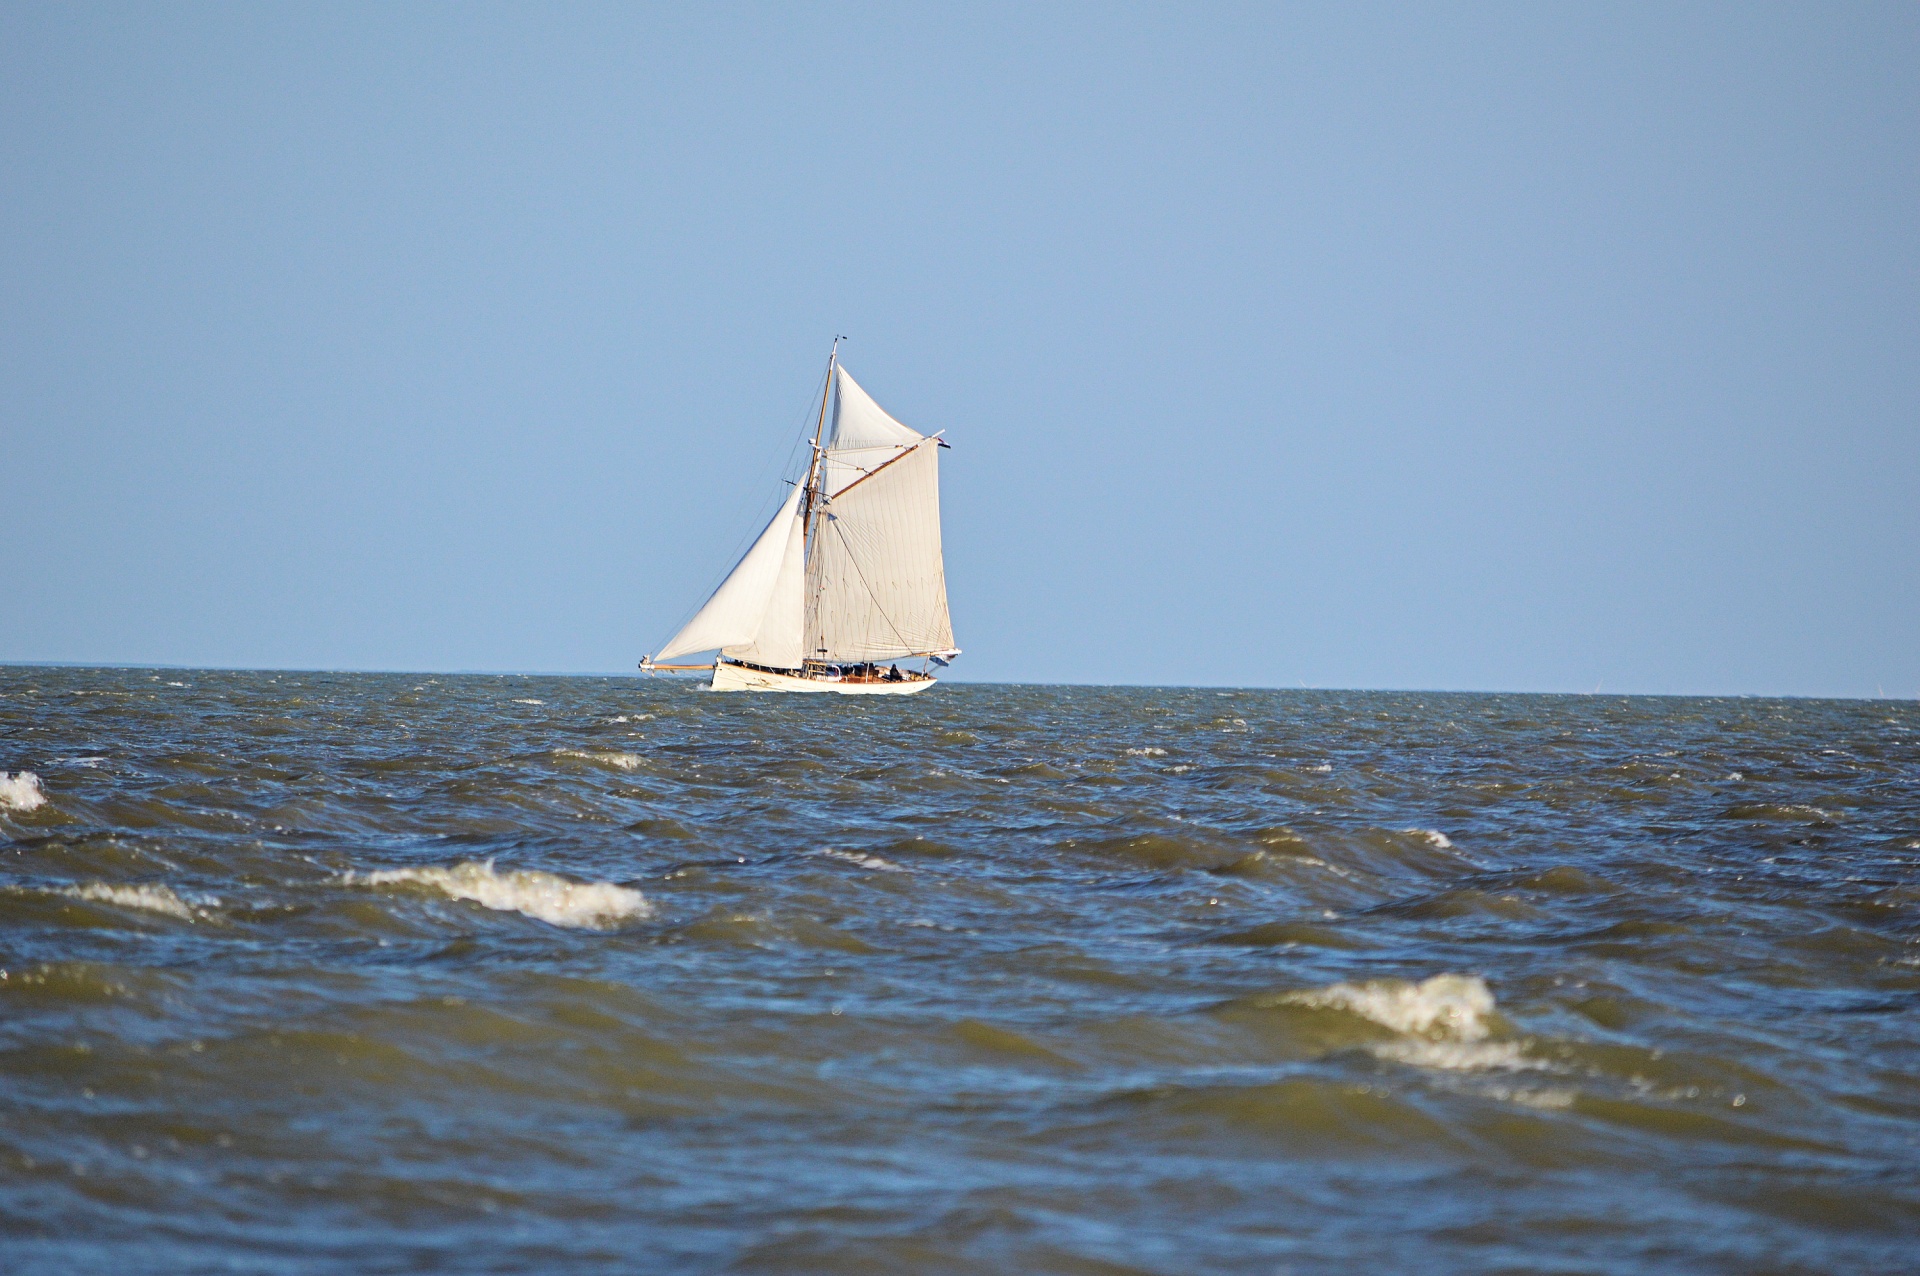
<point x="1534" y="347"/>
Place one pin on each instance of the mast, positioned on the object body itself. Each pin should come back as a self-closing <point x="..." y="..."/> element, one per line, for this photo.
<point x="811" y="501"/>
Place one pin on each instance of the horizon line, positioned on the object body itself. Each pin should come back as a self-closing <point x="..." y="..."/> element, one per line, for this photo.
<point x="1167" y="686"/>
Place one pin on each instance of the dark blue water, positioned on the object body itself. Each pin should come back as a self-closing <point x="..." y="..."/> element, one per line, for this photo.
<point x="376" y="973"/>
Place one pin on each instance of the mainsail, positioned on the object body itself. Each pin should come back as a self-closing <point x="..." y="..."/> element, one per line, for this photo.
<point x="876" y="582"/>
<point x="741" y="607"/>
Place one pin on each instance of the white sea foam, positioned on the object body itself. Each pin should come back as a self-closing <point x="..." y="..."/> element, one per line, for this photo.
<point x="864" y="861"/>
<point x="1444" y="1022"/>
<point x="546" y="896"/>
<point x="606" y="757"/>
<point x="636" y="717"/>
<point x="1445" y="1007"/>
<point x="153" y="899"/>
<point x="1148" y="752"/>
<point x="21" y="792"/>
<point x="1325" y="768"/>
<point x="1434" y="837"/>
<point x="529" y="701"/>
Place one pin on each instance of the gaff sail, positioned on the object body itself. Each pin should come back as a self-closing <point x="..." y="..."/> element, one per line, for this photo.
<point x="876" y="586"/>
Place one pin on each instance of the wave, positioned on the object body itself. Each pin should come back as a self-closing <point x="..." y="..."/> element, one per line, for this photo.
<point x="547" y="897"/>
<point x="21" y="792"/>
<point x="605" y="757"/>
<point x="864" y="861"/>
<point x="1443" y="1022"/>
<point x="1448" y="1006"/>
<point x="152" y="899"/>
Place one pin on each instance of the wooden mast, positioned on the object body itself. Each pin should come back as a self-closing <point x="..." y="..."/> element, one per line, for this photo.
<point x="811" y="501"/>
<point x="819" y="429"/>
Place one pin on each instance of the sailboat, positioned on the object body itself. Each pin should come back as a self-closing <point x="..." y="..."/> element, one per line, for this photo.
<point x="847" y="580"/>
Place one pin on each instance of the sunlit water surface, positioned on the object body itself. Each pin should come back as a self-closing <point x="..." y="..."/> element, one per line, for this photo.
<point x="313" y="972"/>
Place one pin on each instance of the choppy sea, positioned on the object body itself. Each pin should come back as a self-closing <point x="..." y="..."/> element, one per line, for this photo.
<point x="329" y="972"/>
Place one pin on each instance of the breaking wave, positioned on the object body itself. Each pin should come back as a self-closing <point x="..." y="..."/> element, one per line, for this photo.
<point x="21" y="792"/>
<point x="152" y="899"/>
<point x="1443" y="1022"/>
<point x="605" y="757"/>
<point x="547" y="897"/>
<point x="864" y="861"/>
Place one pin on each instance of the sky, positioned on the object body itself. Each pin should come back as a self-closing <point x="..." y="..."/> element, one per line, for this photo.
<point x="1519" y="347"/>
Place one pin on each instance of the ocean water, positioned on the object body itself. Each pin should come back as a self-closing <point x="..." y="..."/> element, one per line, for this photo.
<point x="313" y="972"/>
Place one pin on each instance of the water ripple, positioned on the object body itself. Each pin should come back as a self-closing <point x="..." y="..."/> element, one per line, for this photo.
<point x="309" y="971"/>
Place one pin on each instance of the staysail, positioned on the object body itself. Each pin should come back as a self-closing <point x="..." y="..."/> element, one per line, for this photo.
<point x="781" y="642"/>
<point x="876" y="584"/>
<point x="741" y="607"/>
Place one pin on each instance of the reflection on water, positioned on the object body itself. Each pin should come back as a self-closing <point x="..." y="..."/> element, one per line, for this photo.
<point x="386" y="971"/>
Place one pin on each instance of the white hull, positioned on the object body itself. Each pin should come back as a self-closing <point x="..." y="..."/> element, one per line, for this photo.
<point x="730" y="677"/>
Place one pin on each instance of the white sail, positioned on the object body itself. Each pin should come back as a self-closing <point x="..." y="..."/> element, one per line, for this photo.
<point x="734" y="614"/>
<point x="781" y="642"/>
<point x="876" y="581"/>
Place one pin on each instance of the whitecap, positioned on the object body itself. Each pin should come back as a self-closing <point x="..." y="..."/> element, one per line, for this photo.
<point x="1446" y="1007"/>
<point x="152" y="899"/>
<point x="606" y="757"/>
<point x="1444" y="1022"/>
<point x="1434" y="837"/>
<point x="863" y="860"/>
<point x="529" y="701"/>
<point x="1325" y="768"/>
<point x="545" y="896"/>
<point x="1148" y="752"/>
<point x="21" y="792"/>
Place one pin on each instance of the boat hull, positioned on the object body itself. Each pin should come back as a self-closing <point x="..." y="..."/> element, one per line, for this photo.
<point x="731" y="677"/>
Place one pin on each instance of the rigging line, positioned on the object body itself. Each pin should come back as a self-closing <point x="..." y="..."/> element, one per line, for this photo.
<point x="835" y="524"/>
